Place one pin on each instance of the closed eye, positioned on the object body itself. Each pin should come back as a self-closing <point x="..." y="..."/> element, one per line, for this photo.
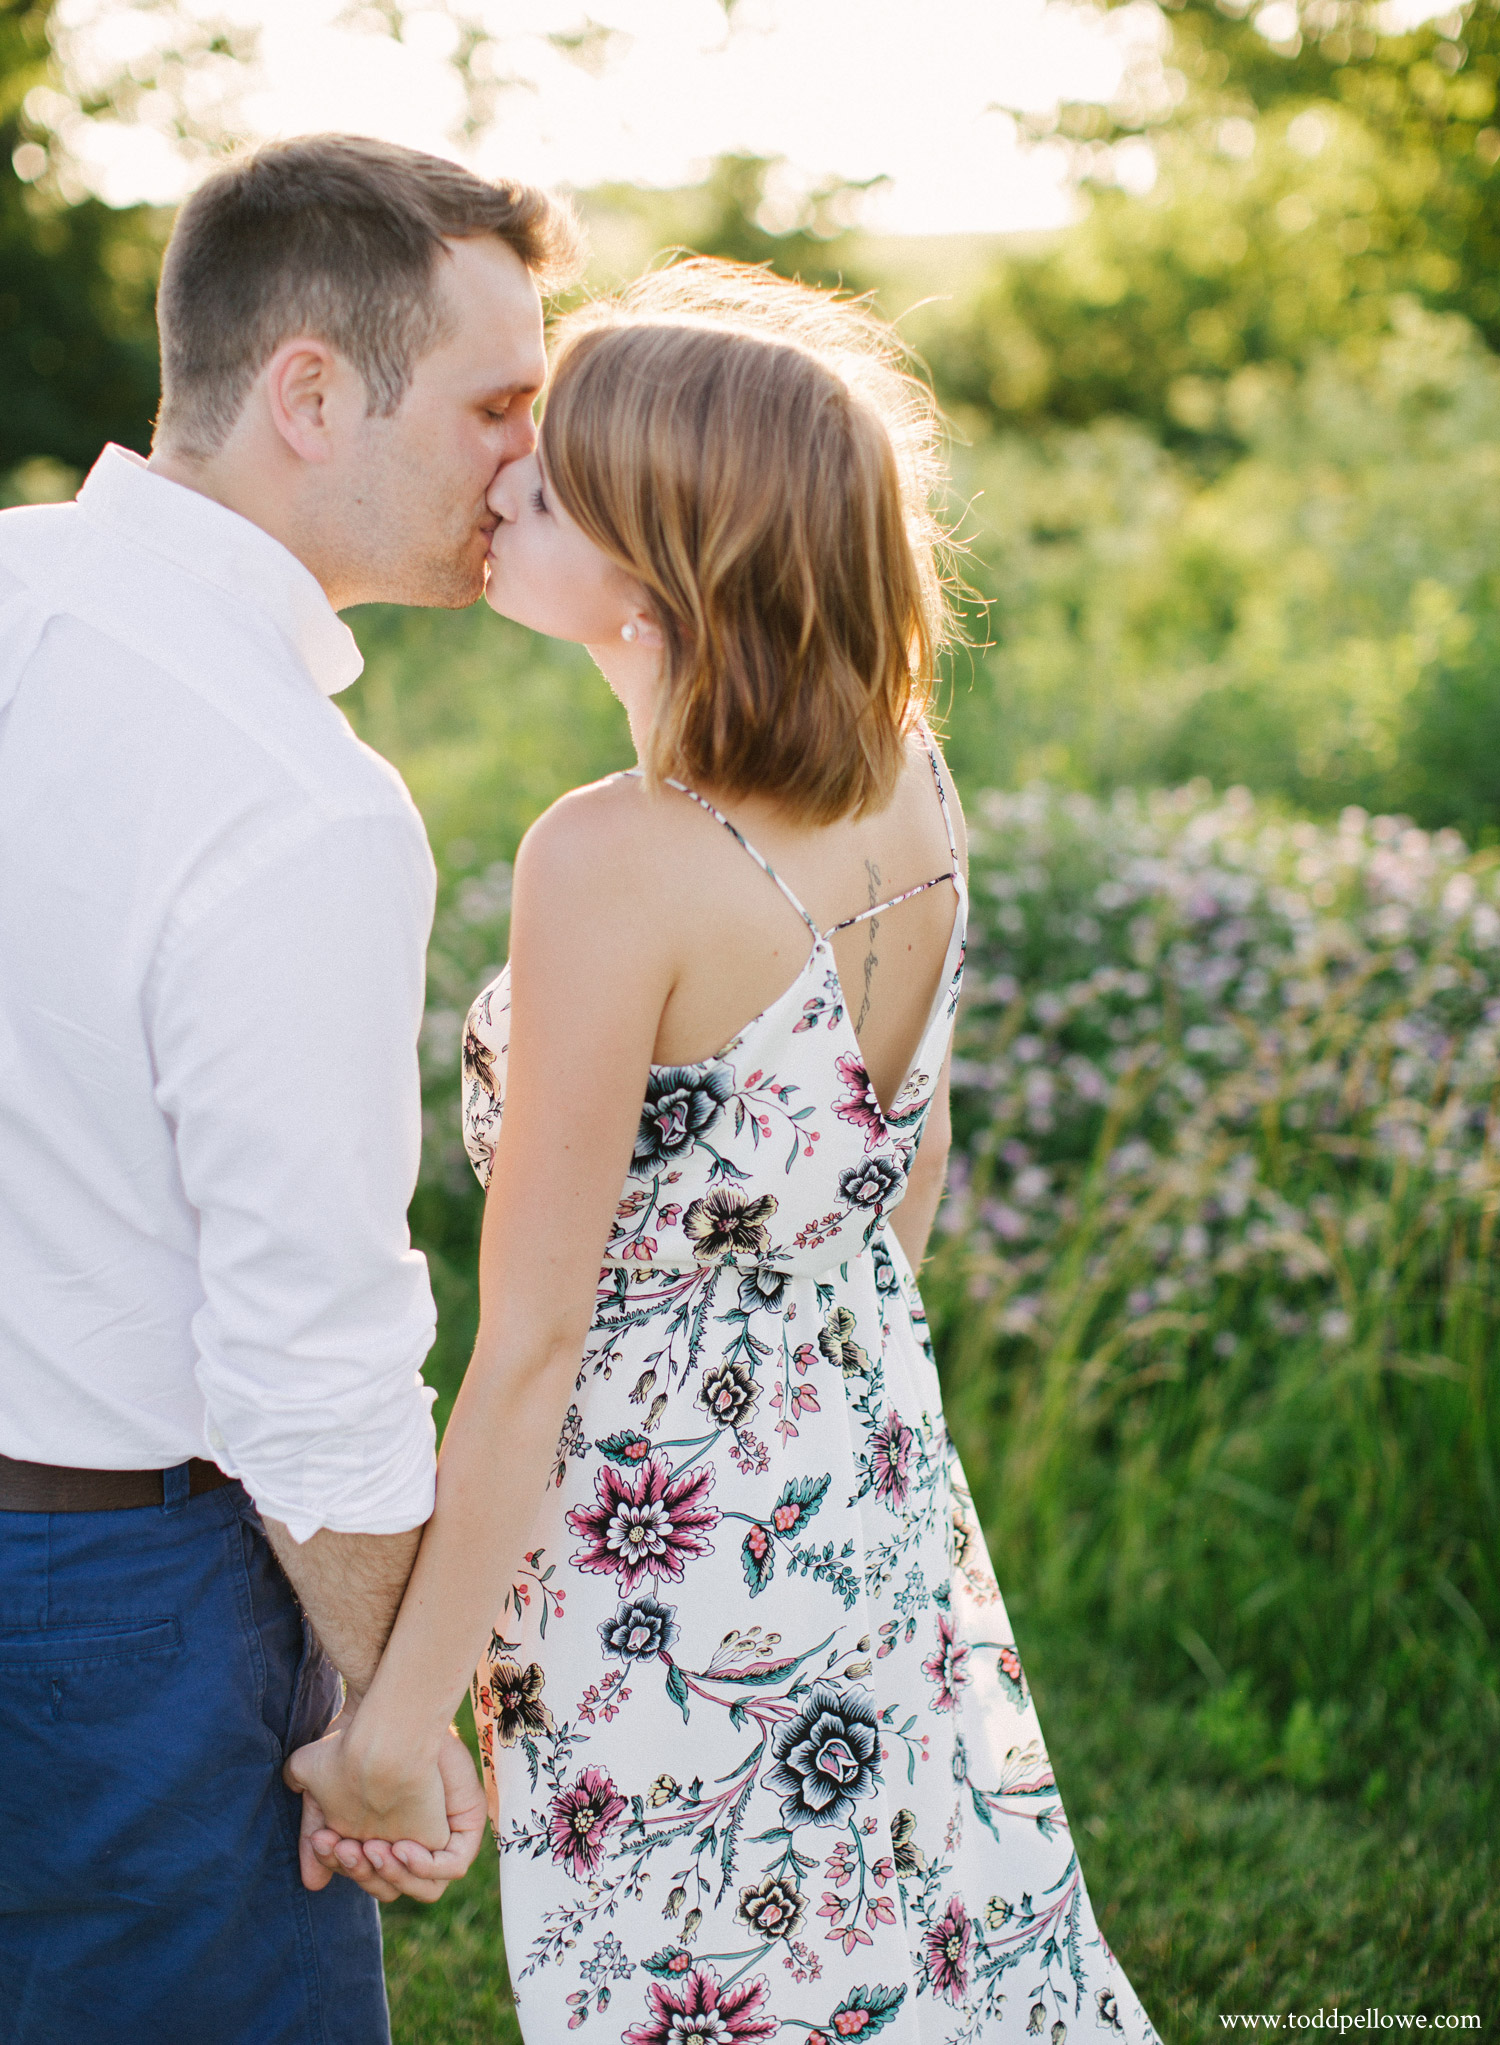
<point x="538" y="501"/>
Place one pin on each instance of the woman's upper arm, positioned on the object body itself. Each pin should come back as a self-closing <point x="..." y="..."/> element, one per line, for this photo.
<point x="590" y="971"/>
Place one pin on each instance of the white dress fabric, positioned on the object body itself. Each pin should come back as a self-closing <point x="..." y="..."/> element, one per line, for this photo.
<point x="761" y="1756"/>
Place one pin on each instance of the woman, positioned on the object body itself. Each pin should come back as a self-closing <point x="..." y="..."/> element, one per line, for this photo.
<point x="759" y="1749"/>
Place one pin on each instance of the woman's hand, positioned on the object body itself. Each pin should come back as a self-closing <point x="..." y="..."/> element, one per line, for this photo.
<point x="353" y="1809"/>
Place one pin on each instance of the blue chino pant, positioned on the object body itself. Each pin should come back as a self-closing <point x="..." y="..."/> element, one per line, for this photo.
<point x="154" y="1672"/>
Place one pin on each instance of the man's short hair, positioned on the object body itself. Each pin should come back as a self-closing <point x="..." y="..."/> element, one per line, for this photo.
<point x="334" y="236"/>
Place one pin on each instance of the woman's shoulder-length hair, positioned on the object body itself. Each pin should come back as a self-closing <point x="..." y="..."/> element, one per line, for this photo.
<point x="757" y="456"/>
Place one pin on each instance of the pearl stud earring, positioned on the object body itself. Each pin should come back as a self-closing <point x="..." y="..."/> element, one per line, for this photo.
<point x="627" y="631"/>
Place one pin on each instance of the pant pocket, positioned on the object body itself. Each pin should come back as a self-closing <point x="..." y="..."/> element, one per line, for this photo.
<point x="317" y="1693"/>
<point x="49" y="1647"/>
<point x="89" y="1673"/>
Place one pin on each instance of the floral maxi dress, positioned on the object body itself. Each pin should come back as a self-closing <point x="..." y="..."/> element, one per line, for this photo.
<point x="761" y="1757"/>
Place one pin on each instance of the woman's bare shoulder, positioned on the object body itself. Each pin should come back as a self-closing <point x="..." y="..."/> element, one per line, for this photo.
<point x="923" y="753"/>
<point x="616" y="838"/>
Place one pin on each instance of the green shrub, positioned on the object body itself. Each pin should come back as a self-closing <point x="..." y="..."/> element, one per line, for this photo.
<point x="1318" y="620"/>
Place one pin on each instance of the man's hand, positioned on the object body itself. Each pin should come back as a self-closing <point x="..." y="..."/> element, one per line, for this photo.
<point x="363" y="1797"/>
<point x="409" y="1867"/>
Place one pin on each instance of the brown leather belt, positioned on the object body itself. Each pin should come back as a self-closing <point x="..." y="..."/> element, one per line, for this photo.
<point x="46" y="1487"/>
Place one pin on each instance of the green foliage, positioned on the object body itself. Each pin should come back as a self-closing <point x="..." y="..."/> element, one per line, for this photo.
<point x="1225" y="1891"/>
<point x="445" y="1967"/>
<point x="1302" y="186"/>
<point x="77" y="283"/>
<point x="1151" y="304"/>
<point x="1427" y="97"/>
<point x="1320" y="618"/>
<point x="77" y="331"/>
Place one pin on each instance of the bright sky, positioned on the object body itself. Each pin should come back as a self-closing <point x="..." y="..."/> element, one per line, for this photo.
<point x="914" y="92"/>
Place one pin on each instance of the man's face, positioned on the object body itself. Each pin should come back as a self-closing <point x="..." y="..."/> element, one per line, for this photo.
<point x="414" y="489"/>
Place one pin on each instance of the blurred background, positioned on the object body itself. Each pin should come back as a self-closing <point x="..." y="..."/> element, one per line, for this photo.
<point x="1210" y="294"/>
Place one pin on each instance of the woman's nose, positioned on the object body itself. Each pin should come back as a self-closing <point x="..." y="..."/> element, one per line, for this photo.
<point x="504" y="494"/>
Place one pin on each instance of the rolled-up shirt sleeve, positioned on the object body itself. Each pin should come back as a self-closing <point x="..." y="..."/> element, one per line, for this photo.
<point x="283" y="1015"/>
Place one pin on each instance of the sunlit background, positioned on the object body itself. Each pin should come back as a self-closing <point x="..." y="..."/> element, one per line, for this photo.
<point x="1210" y="295"/>
<point x="650" y="91"/>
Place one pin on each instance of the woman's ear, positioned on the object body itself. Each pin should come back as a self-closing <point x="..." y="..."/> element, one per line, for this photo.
<point x="641" y="628"/>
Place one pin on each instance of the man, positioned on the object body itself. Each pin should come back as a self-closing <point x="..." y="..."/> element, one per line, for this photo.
<point x="214" y="905"/>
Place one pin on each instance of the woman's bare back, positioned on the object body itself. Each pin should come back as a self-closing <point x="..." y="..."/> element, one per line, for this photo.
<point x="750" y="945"/>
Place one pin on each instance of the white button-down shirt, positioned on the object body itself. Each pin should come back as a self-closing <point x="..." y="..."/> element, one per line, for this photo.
<point x="214" y="908"/>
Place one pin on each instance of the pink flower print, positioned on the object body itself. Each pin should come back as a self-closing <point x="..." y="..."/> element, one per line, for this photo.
<point x="700" y="2011"/>
<point x="644" y="1524"/>
<point x="861" y="1107"/>
<point x="1012" y="1677"/>
<point x="948" y="1951"/>
<point x="581" y="1816"/>
<point x="890" y="1453"/>
<point x="804" y="1400"/>
<point x="947" y="1665"/>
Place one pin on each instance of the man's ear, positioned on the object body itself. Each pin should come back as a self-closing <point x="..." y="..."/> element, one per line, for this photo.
<point x="303" y="385"/>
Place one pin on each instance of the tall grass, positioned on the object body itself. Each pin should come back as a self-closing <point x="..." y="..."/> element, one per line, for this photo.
<point x="1215" y="1295"/>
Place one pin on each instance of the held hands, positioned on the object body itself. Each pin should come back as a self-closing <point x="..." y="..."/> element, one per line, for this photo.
<point x="353" y="1810"/>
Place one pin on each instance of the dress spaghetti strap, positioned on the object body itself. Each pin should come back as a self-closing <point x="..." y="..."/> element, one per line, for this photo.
<point x="942" y="795"/>
<point x="766" y="867"/>
<point x="922" y="886"/>
<point x="740" y="839"/>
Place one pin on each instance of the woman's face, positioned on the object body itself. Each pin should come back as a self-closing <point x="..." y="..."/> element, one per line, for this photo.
<point x="546" y="573"/>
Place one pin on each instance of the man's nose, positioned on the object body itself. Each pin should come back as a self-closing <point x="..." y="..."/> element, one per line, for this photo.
<point x="522" y="439"/>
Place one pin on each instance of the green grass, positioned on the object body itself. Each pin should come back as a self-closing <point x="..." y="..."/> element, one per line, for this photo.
<point x="1225" y="1894"/>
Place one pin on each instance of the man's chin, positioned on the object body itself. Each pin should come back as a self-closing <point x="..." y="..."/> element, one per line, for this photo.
<point x="447" y="586"/>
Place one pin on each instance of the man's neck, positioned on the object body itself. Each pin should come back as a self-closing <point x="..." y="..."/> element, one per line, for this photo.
<point x="244" y="492"/>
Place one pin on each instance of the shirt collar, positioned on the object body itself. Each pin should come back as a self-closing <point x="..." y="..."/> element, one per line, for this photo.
<point x="206" y="540"/>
